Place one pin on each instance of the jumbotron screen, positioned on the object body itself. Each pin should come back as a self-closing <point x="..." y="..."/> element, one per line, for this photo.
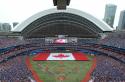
<point x="61" y="41"/>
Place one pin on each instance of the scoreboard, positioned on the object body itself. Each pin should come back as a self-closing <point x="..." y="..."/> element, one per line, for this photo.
<point x="61" y="40"/>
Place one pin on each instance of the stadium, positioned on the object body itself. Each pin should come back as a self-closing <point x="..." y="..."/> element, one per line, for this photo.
<point x="62" y="45"/>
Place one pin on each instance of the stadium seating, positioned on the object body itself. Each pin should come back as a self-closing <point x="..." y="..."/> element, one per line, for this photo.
<point x="110" y="67"/>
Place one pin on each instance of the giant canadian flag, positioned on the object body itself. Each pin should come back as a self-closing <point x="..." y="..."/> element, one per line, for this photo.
<point x="60" y="56"/>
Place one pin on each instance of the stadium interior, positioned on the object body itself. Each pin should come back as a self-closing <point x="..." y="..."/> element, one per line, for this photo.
<point x="98" y="52"/>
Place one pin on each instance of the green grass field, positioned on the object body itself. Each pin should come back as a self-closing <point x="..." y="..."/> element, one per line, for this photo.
<point x="61" y="71"/>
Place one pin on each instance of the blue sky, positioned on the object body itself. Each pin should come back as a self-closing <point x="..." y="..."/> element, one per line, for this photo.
<point x="20" y="10"/>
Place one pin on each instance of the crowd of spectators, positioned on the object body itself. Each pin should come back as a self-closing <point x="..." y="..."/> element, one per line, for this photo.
<point x="87" y="40"/>
<point x="116" y="39"/>
<point x="6" y="42"/>
<point x="117" y="54"/>
<point x="108" y="70"/>
<point x="15" y="70"/>
<point x="15" y="50"/>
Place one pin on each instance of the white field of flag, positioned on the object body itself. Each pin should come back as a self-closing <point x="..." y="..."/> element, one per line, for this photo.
<point x="61" y="56"/>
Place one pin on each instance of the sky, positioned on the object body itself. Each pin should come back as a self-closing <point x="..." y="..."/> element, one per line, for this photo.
<point x="20" y="10"/>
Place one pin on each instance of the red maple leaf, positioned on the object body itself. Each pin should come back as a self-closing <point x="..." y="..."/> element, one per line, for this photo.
<point x="61" y="56"/>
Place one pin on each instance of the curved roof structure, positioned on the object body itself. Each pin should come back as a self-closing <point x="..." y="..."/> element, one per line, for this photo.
<point x="53" y="22"/>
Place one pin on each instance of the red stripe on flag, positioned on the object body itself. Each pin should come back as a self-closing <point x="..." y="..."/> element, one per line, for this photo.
<point x="80" y="56"/>
<point x="41" y="56"/>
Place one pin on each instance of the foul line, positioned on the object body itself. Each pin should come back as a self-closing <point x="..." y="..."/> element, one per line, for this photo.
<point x="29" y="65"/>
<point x="88" y="74"/>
